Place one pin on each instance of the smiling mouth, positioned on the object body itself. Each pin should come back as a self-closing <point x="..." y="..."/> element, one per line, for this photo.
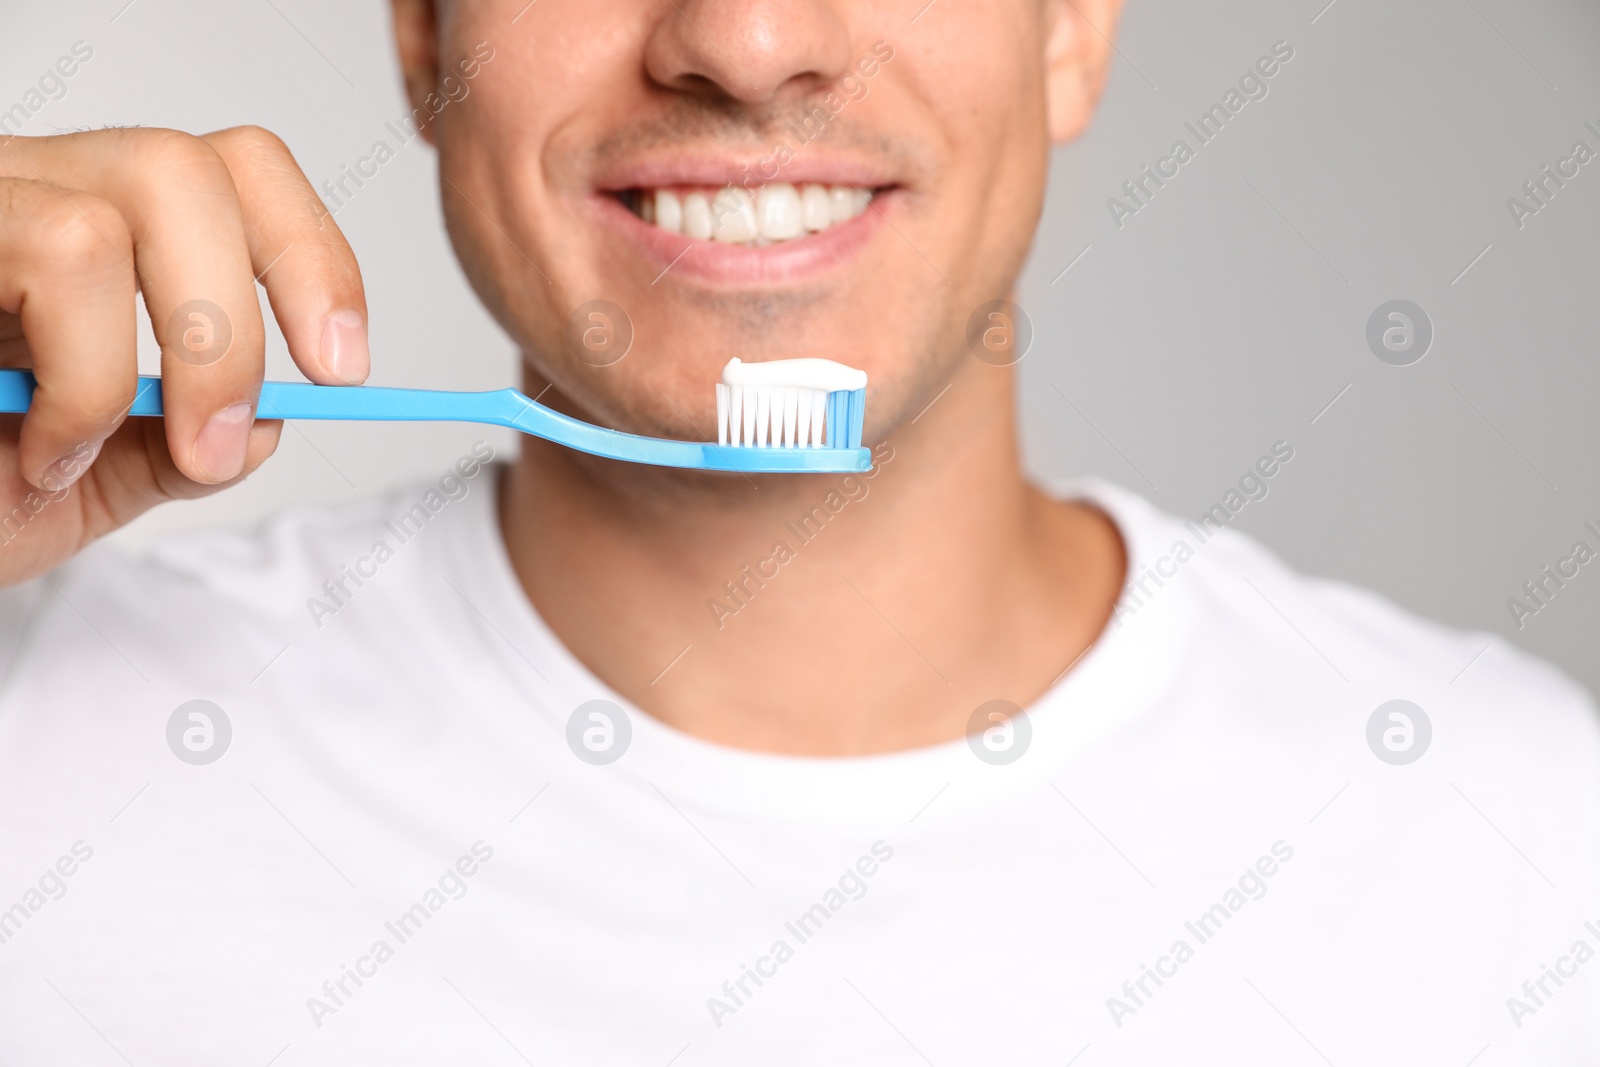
<point x="768" y="214"/>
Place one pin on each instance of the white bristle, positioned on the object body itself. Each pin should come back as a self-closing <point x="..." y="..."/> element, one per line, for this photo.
<point x="763" y="414"/>
<point x="781" y="403"/>
<point x="771" y="416"/>
<point x="802" y="423"/>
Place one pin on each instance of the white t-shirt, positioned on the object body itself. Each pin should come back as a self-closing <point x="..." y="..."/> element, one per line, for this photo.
<point x="1190" y="851"/>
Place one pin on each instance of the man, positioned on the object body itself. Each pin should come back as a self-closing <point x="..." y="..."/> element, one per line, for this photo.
<point x="571" y="761"/>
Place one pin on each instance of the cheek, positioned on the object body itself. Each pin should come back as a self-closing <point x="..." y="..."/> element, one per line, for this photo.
<point x="510" y="155"/>
<point x="989" y="112"/>
<point x="988" y="102"/>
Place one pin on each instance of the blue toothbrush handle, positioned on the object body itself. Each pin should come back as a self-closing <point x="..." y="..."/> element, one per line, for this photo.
<point x="300" y="400"/>
<point x="503" y="407"/>
<point x="366" y="403"/>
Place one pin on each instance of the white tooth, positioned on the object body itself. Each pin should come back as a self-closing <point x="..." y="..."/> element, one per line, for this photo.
<point x="846" y="202"/>
<point x="815" y="208"/>
<point x="647" y="207"/>
<point x="668" y="210"/>
<point x="733" y="213"/>
<point x="778" y="212"/>
<point x="697" y="216"/>
<point x="841" y="203"/>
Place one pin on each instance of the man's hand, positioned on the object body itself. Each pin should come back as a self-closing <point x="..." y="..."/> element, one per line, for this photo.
<point x="89" y="220"/>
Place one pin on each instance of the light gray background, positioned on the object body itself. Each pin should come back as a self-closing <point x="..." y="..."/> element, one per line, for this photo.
<point x="1224" y="317"/>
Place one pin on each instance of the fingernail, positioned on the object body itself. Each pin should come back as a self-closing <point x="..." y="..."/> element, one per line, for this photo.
<point x="344" y="347"/>
<point x="219" y="451"/>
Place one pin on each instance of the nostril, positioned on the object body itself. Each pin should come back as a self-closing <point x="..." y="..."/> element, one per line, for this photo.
<point x="747" y="52"/>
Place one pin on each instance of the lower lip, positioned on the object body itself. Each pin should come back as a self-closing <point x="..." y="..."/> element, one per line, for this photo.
<point x="741" y="266"/>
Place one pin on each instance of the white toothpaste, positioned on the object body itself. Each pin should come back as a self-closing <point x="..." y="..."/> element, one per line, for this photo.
<point x="823" y="374"/>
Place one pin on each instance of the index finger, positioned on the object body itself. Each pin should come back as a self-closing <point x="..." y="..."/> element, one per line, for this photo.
<point x="300" y="256"/>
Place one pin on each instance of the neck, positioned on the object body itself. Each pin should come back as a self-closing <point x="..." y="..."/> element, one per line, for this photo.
<point x="820" y="614"/>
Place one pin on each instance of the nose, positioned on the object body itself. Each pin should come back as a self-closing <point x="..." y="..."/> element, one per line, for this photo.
<point x="751" y="51"/>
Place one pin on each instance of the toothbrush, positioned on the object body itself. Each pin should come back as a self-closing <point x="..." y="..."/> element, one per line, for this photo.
<point x="784" y="416"/>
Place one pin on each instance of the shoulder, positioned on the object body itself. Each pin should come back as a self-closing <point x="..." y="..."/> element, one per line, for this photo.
<point x="1246" y="607"/>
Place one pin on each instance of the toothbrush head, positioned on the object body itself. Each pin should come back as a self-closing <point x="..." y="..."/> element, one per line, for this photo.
<point x="791" y="403"/>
